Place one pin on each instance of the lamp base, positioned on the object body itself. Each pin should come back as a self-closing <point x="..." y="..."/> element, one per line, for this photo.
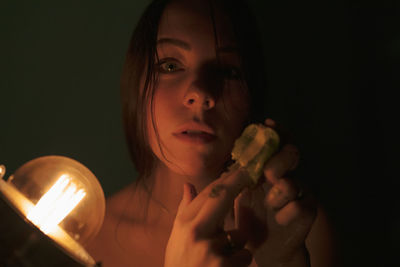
<point x="23" y="245"/>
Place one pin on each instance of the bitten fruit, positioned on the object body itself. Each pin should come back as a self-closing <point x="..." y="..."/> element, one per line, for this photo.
<point x="254" y="148"/>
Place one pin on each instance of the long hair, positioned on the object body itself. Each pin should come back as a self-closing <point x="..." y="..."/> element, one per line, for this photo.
<point x="139" y="63"/>
<point x="140" y="66"/>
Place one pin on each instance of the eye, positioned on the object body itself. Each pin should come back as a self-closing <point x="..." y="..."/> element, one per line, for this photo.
<point x="169" y="66"/>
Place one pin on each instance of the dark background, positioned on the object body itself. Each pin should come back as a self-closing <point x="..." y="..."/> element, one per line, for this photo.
<point x="332" y="72"/>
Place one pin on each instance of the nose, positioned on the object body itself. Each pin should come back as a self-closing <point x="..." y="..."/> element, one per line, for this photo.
<point x="198" y="98"/>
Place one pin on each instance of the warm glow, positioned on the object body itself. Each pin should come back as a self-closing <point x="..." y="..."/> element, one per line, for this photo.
<point x="2" y="171"/>
<point x="56" y="204"/>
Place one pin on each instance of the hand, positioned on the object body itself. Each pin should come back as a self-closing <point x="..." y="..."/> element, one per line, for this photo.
<point x="273" y="216"/>
<point x="197" y="238"/>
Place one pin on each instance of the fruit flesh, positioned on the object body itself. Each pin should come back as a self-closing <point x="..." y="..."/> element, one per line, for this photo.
<point x="254" y="148"/>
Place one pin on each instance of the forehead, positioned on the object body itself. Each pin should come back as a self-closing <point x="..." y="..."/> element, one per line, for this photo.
<point x="194" y="21"/>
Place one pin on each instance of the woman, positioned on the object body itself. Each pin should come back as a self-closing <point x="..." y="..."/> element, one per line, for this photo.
<point x="193" y="79"/>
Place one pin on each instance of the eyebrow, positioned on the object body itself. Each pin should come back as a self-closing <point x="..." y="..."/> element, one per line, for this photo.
<point x="175" y="42"/>
<point x="186" y="46"/>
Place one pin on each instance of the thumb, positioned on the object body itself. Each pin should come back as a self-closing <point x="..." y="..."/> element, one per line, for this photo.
<point x="189" y="193"/>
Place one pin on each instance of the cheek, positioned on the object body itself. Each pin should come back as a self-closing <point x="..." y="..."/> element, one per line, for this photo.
<point x="235" y="114"/>
<point x="166" y="104"/>
<point x="236" y="101"/>
<point x="161" y="112"/>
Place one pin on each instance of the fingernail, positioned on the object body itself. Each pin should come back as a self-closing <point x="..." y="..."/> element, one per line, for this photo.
<point x="270" y="122"/>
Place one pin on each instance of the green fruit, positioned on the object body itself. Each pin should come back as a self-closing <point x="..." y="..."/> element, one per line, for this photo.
<point x="254" y="148"/>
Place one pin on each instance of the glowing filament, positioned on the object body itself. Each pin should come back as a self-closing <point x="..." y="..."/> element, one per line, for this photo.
<point x="56" y="204"/>
<point x="2" y="171"/>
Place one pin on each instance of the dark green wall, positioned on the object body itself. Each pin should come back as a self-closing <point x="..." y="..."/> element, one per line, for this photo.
<point x="60" y="64"/>
<point x="60" y="67"/>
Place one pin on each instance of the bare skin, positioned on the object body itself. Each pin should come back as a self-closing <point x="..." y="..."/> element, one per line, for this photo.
<point x="127" y="240"/>
<point x="178" y="218"/>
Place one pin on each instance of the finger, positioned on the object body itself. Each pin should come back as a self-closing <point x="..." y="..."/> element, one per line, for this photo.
<point x="248" y="222"/>
<point x="281" y="193"/>
<point x="193" y="209"/>
<point x="270" y="122"/>
<point x="288" y="213"/>
<point x="189" y="193"/>
<point x="219" y="199"/>
<point x="296" y="210"/>
<point x="199" y="200"/>
<point x="286" y="160"/>
<point x="243" y="199"/>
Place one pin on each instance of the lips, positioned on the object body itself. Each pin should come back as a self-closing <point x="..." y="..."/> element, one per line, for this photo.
<point x="197" y="133"/>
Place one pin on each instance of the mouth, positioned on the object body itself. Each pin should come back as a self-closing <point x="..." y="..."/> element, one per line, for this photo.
<point x="196" y="135"/>
<point x="195" y="132"/>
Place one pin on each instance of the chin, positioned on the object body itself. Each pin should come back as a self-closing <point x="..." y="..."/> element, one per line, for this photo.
<point x="197" y="162"/>
<point x="195" y="167"/>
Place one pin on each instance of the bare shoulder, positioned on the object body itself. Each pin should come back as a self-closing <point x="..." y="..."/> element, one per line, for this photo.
<point x="321" y="241"/>
<point x="111" y="241"/>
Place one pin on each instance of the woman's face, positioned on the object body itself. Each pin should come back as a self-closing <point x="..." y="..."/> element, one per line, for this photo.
<point x="199" y="106"/>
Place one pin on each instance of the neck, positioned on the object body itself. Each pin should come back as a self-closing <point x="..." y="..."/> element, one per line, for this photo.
<point x="166" y="189"/>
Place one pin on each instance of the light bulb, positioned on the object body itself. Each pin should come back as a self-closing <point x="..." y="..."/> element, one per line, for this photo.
<point x="62" y="198"/>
